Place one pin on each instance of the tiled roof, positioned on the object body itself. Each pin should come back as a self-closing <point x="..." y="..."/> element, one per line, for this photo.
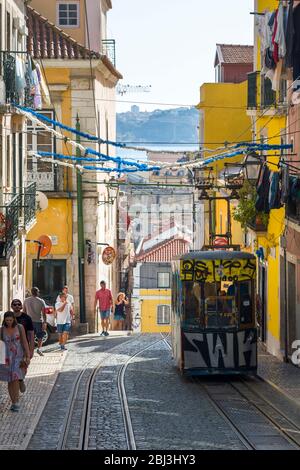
<point x="234" y="54"/>
<point x="165" y="252"/>
<point x="46" y="41"/>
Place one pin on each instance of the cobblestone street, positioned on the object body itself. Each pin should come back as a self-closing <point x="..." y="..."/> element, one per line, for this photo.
<point x="124" y="392"/>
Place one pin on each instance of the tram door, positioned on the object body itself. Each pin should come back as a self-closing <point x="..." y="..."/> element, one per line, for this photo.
<point x="50" y="277"/>
<point x="263" y="294"/>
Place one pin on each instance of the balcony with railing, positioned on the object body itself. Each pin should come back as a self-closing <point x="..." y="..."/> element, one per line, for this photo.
<point x="17" y="213"/>
<point x="9" y="225"/>
<point x="109" y="49"/>
<point x="29" y="205"/>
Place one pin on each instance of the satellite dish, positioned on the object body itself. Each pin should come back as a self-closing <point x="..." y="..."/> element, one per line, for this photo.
<point x="41" y="201"/>
<point x="45" y="245"/>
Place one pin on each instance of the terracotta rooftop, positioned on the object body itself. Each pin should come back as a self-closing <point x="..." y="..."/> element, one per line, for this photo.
<point x="165" y="252"/>
<point x="234" y="54"/>
<point x="46" y="41"/>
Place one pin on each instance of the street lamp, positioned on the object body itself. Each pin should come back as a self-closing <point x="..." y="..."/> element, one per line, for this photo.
<point x="204" y="181"/>
<point x="252" y="165"/>
<point x="234" y="178"/>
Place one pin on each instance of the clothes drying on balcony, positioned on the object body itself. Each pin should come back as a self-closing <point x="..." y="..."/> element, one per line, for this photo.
<point x="24" y="81"/>
<point x="274" y="191"/>
<point x="262" y="189"/>
<point x="285" y="175"/>
<point x="279" y="33"/>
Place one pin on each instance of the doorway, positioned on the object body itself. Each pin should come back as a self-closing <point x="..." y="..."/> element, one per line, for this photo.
<point x="50" y="277"/>
<point x="263" y="294"/>
<point x="291" y="293"/>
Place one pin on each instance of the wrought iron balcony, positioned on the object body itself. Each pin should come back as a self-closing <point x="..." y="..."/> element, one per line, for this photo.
<point x="17" y="213"/>
<point x="9" y="225"/>
<point x="29" y="204"/>
<point x="109" y="49"/>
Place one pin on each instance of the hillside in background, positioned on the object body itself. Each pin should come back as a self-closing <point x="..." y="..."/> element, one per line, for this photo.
<point x="171" y="125"/>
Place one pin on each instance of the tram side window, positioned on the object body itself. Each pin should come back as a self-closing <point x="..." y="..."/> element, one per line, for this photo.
<point x="245" y="302"/>
<point x="193" y="314"/>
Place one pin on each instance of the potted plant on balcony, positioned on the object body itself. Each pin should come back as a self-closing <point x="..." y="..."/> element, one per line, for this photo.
<point x="2" y="233"/>
<point x="245" y="213"/>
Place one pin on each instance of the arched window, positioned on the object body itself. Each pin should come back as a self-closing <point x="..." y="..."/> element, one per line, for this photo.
<point x="163" y="315"/>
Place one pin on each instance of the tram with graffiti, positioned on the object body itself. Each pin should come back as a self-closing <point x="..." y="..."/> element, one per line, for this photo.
<point x="213" y="313"/>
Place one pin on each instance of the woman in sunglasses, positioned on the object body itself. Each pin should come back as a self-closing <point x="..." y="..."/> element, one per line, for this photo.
<point x="24" y="320"/>
<point x="17" y="356"/>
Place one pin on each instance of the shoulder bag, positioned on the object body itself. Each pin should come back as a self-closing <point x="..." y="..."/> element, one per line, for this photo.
<point x="2" y="348"/>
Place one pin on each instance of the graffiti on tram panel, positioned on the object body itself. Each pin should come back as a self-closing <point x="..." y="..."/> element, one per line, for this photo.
<point x="217" y="270"/>
<point x="220" y="350"/>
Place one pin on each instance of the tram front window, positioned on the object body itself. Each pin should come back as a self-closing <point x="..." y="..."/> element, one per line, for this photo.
<point x="220" y="305"/>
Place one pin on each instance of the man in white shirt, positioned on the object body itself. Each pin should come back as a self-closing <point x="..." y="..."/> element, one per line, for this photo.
<point x="70" y="297"/>
<point x="64" y="318"/>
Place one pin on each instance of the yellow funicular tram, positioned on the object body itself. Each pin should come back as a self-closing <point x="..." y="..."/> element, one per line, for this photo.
<point x="213" y="312"/>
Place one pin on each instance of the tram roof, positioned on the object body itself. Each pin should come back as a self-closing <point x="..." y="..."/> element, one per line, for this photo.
<point x="218" y="254"/>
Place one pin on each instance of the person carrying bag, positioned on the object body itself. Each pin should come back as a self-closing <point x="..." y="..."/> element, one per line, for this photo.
<point x="17" y="356"/>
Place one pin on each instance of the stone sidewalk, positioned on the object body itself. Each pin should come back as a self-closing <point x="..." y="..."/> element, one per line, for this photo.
<point x="284" y="377"/>
<point x="16" y="429"/>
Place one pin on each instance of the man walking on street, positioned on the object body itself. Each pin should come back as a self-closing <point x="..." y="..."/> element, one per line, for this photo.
<point x="70" y="298"/>
<point x="64" y="316"/>
<point x="104" y="298"/>
<point x="34" y="306"/>
<point x="24" y="320"/>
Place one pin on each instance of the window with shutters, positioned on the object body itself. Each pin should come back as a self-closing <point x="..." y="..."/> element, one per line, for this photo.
<point x="163" y="314"/>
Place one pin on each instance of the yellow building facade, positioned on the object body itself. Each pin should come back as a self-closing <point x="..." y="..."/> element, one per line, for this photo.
<point x="151" y="302"/>
<point x="223" y="119"/>
<point x="269" y="124"/>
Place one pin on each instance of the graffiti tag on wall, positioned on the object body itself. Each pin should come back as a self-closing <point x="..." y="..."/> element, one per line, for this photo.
<point x="217" y="270"/>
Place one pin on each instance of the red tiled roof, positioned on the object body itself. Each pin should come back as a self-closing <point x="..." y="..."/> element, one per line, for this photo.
<point x="46" y="41"/>
<point x="165" y="252"/>
<point x="234" y="54"/>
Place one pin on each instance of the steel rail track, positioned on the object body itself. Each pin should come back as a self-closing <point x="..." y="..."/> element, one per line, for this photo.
<point x="85" y="415"/>
<point x="129" y="433"/>
<point x="221" y="412"/>
<point x="245" y="440"/>
<point x="284" y="431"/>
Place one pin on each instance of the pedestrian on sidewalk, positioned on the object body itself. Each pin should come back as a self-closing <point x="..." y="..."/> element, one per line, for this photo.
<point x="104" y="298"/>
<point x="64" y="318"/>
<point x="120" y="314"/>
<point x="34" y="306"/>
<point x="17" y="356"/>
<point x="24" y="320"/>
<point x="70" y="298"/>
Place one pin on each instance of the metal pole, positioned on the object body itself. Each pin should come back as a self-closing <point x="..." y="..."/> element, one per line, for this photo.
<point x="286" y="320"/>
<point x="80" y="233"/>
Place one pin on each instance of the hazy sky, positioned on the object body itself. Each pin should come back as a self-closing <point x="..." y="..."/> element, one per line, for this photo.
<point x="170" y="44"/>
